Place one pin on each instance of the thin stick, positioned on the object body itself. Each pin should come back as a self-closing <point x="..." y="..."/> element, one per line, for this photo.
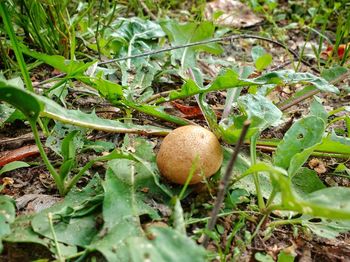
<point x="224" y="183"/>
<point x="213" y="40"/>
<point x="145" y="7"/>
<point x="220" y="39"/>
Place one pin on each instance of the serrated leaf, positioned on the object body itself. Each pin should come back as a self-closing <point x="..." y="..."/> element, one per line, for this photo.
<point x="29" y="105"/>
<point x="180" y="34"/>
<point x="70" y="67"/>
<point x="230" y="79"/>
<point x="107" y="89"/>
<point x="157" y="111"/>
<point x="261" y="111"/>
<point x="33" y="105"/>
<point x="338" y="145"/>
<point x="326" y="228"/>
<point x="291" y="77"/>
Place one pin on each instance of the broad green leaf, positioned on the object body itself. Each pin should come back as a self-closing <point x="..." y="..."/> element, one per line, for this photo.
<point x="235" y="197"/>
<point x="306" y="181"/>
<point x="261" y="111"/>
<point x="58" y="134"/>
<point x="285" y="257"/>
<point x="120" y="201"/>
<point x="340" y="139"/>
<point x="107" y="89"/>
<point x="326" y="228"/>
<point x="180" y="34"/>
<point x="291" y="77"/>
<point x="134" y="33"/>
<point x="331" y="198"/>
<point x="68" y="145"/>
<point x="334" y="72"/>
<point x="299" y="159"/>
<point x="22" y="232"/>
<point x="156" y="111"/>
<point x="231" y="129"/>
<point x="328" y="144"/>
<point x="263" y="62"/>
<point x="167" y="245"/>
<point x="74" y="218"/>
<point x="112" y="243"/>
<point x="78" y="118"/>
<point x="317" y="109"/>
<point x="145" y="171"/>
<point x="12" y="166"/>
<point x="32" y="105"/>
<point x="305" y="133"/>
<point x="257" y="108"/>
<point x="261" y="58"/>
<point x="132" y="36"/>
<point x="5" y="112"/>
<point x="241" y="166"/>
<point x="263" y="257"/>
<point x="256" y="52"/>
<point x="121" y="210"/>
<point x="331" y="202"/>
<point x="7" y="216"/>
<point x="70" y="67"/>
<point x="230" y="79"/>
<point x="21" y="99"/>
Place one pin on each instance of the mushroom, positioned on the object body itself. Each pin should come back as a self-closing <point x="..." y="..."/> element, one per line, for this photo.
<point x="189" y="146"/>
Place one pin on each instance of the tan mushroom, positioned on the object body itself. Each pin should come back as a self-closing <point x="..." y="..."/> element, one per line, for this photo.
<point x="181" y="147"/>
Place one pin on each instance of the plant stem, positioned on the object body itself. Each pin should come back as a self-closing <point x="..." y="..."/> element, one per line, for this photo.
<point x="258" y="227"/>
<point x="224" y="182"/>
<point x="76" y="178"/>
<point x="285" y="222"/>
<point x="58" y="181"/>
<point x="58" y="250"/>
<point x="271" y="197"/>
<point x="9" y="28"/>
<point x="253" y="141"/>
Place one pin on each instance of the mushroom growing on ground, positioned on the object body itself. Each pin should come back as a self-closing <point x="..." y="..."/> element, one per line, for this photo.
<point x="185" y="147"/>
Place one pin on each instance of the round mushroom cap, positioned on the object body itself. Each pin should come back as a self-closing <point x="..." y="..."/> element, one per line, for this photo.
<point x="180" y="149"/>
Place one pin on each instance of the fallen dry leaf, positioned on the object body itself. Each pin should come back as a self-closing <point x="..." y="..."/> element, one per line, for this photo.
<point x="188" y="111"/>
<point x="330" y="52"/>
<point x="234" y="14"/>
<point x="18" y="154"/>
